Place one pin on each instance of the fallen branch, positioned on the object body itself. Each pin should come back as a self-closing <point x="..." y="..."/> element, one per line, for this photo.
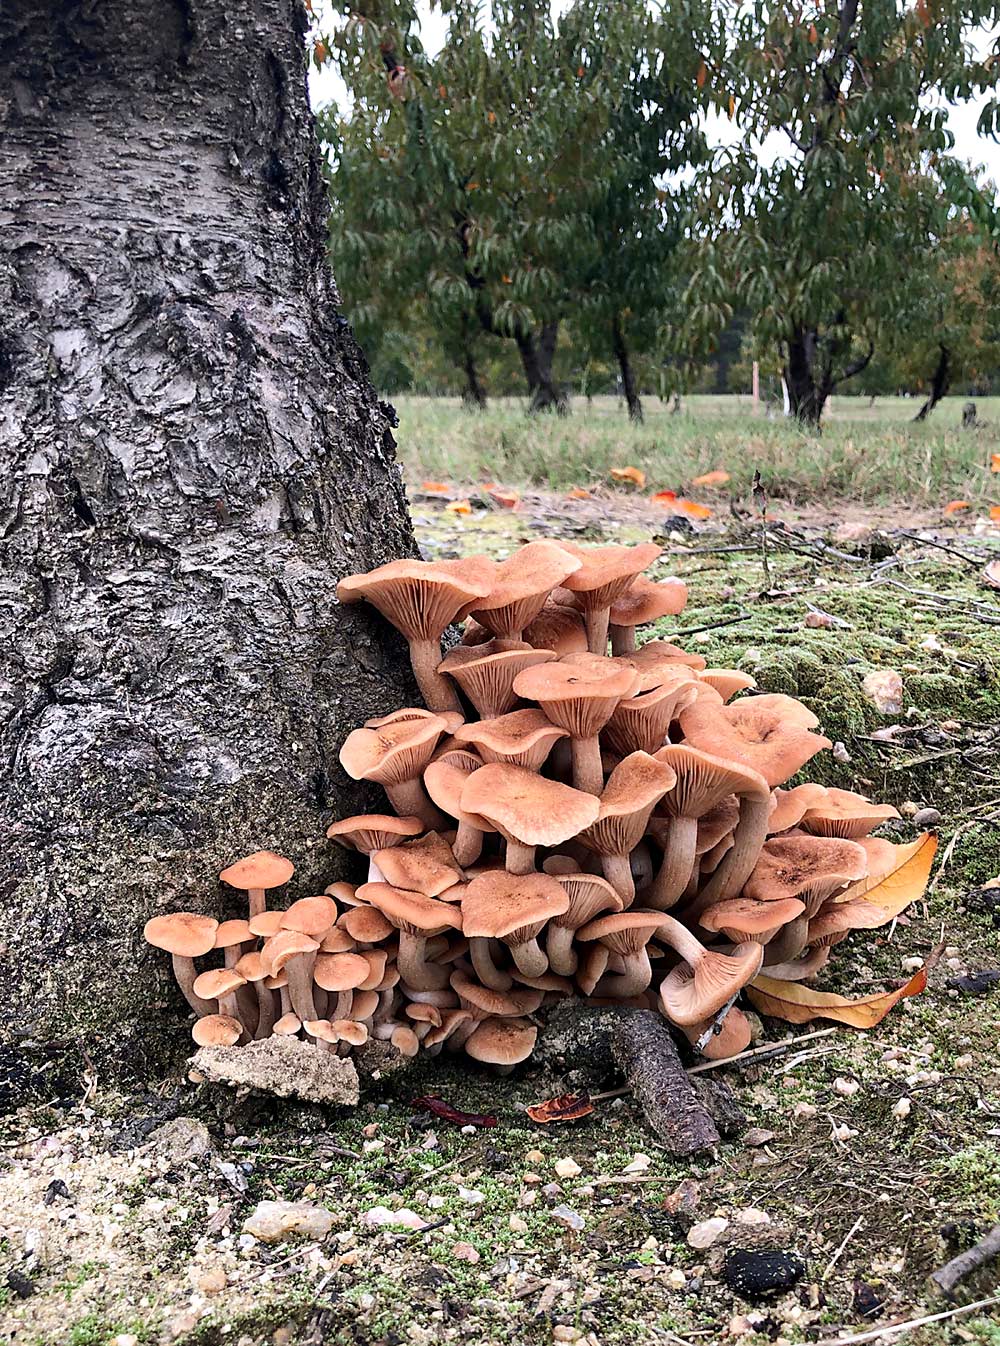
<point x="955" y="1271"/>
<point x="911" y="1324"/>
<point x="646" y="1054"/>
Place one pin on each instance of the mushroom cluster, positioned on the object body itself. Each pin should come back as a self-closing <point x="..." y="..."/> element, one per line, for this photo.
<point x="564" y="821"/>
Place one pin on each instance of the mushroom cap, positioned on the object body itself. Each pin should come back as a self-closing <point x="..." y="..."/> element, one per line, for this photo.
<point x="557" y="628"/>
<point x="486" y="672"/>
<point x="263" y="869"/>
<point x="184" y="933"/>
<point x="521" y="585"/>
<point x="648" y="600"/>
<point x="634" y="787"/>
<point x="791" y="710"/>
<point x="501" y="1004"/>
<point x="727" y="681"/>
<point x="607" y="572"/>
<point x="578" y="696"/>
<point x="348" y="1030"/>
<point x="689" y="993"/>
<point x="835" y="919"/>
<point x="514" y="907"/>
<point x="845" y="814"/>
<point x="452" y="718"/>
<point x="742" y="918"/>
<point x="252" y="967"/>
<point x="704" y="781"/>
<point x="230" y="933"/>
<point x="424" y="1014"/>
<point x="310" y="915"/>
<point x="405" y="1040"/>
<point x="642" y="722"/>
<point x="376" y="960"/>
<point x="394" y="753"/>
<point x="624" y="932"/>
<point x="285" y="945"/>
<point x="412" y="912"/>
<point x="661" y="654"/>
<point x="807" y="867"/>
<point x="521" y="738"/>
<point x="426" y="865"/>
<point x="218" y="981"/>
<point x="365" y="924"/>
<point x="287" y="1026"/>
<point x="338" y="940"/>
<point x="529" y="808"/>
<point x="343" y="892"/>
<point x="266" y="923"/>
<point x="450" y="1021"/>
<point x="322" y="1029"/>
<point x="368" y="832"/>
<point x="588" y="894"/>
<point x="502" y="1042"/>
<point x="717" y="824"/>
<point x="788" y="806"/>
<point x="340" y="971"/>
<point x="420" y="598"/>
<point x="592" y="966"/>
<point x="760" y="736"/>
<point x="217" y="1030"/>
<point x="733" y="1036"/>
<point x="364" y="1003"/>
<point x="444" y="780"/>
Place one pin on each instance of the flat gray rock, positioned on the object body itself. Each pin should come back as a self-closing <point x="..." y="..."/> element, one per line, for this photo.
<point x="282" y="1066"/>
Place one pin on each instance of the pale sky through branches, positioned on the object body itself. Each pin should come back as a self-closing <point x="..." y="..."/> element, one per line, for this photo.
<point x="327" y="87"/>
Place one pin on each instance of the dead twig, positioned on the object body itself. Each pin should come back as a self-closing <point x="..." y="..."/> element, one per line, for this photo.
<point x="840" y="1251"/>
<point x="952" y="1273"/>
<point x="911" y="1324"/>
<point x="771" y="1049"/>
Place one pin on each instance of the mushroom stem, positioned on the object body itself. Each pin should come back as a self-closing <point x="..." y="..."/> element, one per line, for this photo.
<point x="680" y="938"/>
<point x="596" y="621"/>
<point x="635" y="980"/>
<point x="468" y="844"/>
<point x="738" y="862"/>
<point x="588" y="772"/>
<point x="486" y="970"/>
<point x="414" y="968"/>
<point x="559" y="947"/>
<point x="530" y="959"/>
<point x="185" y="972"/>
<point x="789" y="942"/>
<point x="519" y="859"/>
<point x="375" y="875"/>
<point x="618" y="873"/>
<point x="265" y="1010"/>
<point x="300" y="984"/>
<point x="679" y="854"/>
<point x="622" y="640"/>
<point x="257" y="900"/>
<point x="409" y="800"/>
<point x="437" y="690"/>
<point x="286" y="1000"/>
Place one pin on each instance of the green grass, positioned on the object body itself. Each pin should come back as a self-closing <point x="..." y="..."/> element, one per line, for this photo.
<point x="866" y="453"/>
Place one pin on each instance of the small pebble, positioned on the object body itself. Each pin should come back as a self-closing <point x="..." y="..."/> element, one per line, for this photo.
<point x="211" y="1282"/>
<point x="902" y="1109"/>
<point x="516" y="1225"/>
<point x="470" y="1196"/>
<point x="676" y="1278"/>
<point x="750" y="1215"/>
<point x="639" y="1164"/>
<point x="912" y="964"/>
<point x="567" y="1168"/>
<point x="707" y="1232"/>
<point x="846" y="1088"/>
<point x="561" y="1332"/>
<point x="962" y="1062"/>
<point x="570" y="1218"/>
<point x="802" y="1112"/>
<point x="465" y="1252"/>
<point x="534" y="1157"/>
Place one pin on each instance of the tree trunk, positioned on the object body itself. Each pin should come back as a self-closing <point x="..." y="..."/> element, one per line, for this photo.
<point x="940" y="383"/>
<point x="625" y="365"/>
<point x="192" y="456"/>
<point x="474" y="395"/>
<point x="536" y="360"/>
<point x="807" y="383"/>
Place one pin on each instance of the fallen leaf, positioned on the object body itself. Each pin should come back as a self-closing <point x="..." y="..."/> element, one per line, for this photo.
<point x="634" y="475"/>
<point x="995" y="513"/>
<point x="565" y="1108"/>
<point x="995" y="462"/>
<point x="505" y="499"/>
<point x="578" y="493"/>
<point x="437" y="487"/>
<point x="797" y="1003"/>
<point x="459" y="507"/>
<point x="716" y="478"/>
<point x="693" y="510"/>
<point x="956" y="506"/>
<point x="428" y="1103"/>
<point x="664" y="498"/>
<point x="991" y="574"/>
<point x="904" y="883"/>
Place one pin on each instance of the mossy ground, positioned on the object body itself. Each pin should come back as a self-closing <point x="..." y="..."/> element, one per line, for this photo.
<point x="131" y="1252"/>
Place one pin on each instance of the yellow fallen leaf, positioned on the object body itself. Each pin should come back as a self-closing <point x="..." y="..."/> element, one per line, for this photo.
<point x="578" y="493"/>
<point x="904" y="883"/>
<point x="459" y="507"/>
<point x="634" y="475"/>
<point x="716" y="478"/>
<point x="956" y="506"/>
<point x="800" y="1004"/>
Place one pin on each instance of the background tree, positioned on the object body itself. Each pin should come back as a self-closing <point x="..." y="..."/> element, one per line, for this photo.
<point x="192" y="456"/>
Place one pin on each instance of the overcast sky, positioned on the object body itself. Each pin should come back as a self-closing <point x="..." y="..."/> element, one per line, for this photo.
<point x="327" y="87"/>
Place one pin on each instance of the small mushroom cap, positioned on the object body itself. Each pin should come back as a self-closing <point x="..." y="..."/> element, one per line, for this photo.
<point x="340" y="971"/>
<point x="287" y="1026"/>
<point x="322" y="1029"/>
<point x="845" y="814"/>
<point x="742" y="918"/>
<point x="502" y="1042"/>
<point x="310" y="915"/>
<point x="486" y="672"/>
<point x="338" y="940"/>
<point x="450" y="1021"/>
<point x="588" y="895"/>
<point x="691" y="993"/>
<point x="405" y="1040"/>
<point x="558" y="629"/>
<point x="217" y="1030"/>
<point x="184" y="933"/>
<point x="452" y="718"/>
<point x="347" y="1030"/>
<point x="376" y="960"/>
<point x="810" y="868"/>
<point x="704" y="781"/>
<point x="717" y="824"/>
<point x="607" y="572"/>
<point x="777" y="703"/>
<point x="263" y="869"/>
<point x="578" y="696"/>
<point x="660" y="653"/>
<point x="522" y="583"/>
<point x="789" y="806"/>
<point x="838" y="918"/>
<point x="364" y="1003"/>
<point x="635" y="785"/>
<point x="733" y="1036"/>
<point x="531" y="809"/>
<point x="285" y="945"/>
<point x="344" y="893"/>
<point x="412" y="912"/>
<point x="498" y="905"/>
<point x="420" y="598"/>
<point x="642" y="722"/>
<point x="252" y="967"/>
<point x="759" y="731"/>
<point x="648" y="600"/>
<point x="727" y="682"/>
<point x="624" y="932"/>
<point x="521" y="738"/>
<point x="365" y="925"/>
<point x="267" y="923"/>
<point x="218" y="981"/>
<point x="444" y="780"/>
<point x="395" y="753"/>
<point x="426" y="865"/>
<point x="498" y="1003"/>
<point x="424" y="1014"/>
<point x="594" y="959"/>
<point x="231" y="933"/>
<point x="367" y="832"/>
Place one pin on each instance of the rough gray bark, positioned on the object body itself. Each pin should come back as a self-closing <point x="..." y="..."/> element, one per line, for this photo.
<point x="191" y="456"/>
<point x="646" y="1055"/>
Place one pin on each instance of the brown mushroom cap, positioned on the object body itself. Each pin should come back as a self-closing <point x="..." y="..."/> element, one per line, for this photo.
<point x="634" y="787"/>
<point x="340" y="971"/>
<point x="624" y="932"/>
<point x="451" y="1020"/>
<point x="267" y="923"/>
<point x="263" y="869"/>
<point x="704" y="781"/>
<point x="578" y="696"/>
<point x="717" y="824"/>
<point x="486" y="672"/>
<point x="835" y="920"/>
<point x="521" y="738"/>
<point x="761" y="736"/>
<point x="251" y="967"/>
<point x="642" y="722"/>
<point x="217" y="982"/>
<point x="588" y="894"/>
<point x="420" y="598"/>
<point x="529" y="808"/>
<point x="593" y="964"/>
<point x="287" y="1026"/>
<point x="412" y="912"/>
<point x="727" y="681"/>
<point x="501" y="1004"/>
<point x="285" y="945"/>
<point x="183" y="933"/>
<point x="498" y="905"/>
<point x="310" y="915"/>
<point x="690" y="993"/>
<point x="521" y="585"/>
<point x="845" y="814"/>
<point x="452" y="718"/>
<point x="364" y="1003"/>
<point x="347" y="1030"/>
<point x="607" y="572"/>
<point x="557" y="628"/>
<point x="322" y="1029"/>
<point x="444" y="781"/>
<point x="810" y="868"/>
<point x="788" y="806"/>
<point x="338" y="940"/>
<point x="747" y="918"/>
<point x="217" y="1030"/>
<point x="230" y="933"/>
<point x="658" y="654"/>
<point x="365" y="925"/>
<point x="426" y="865"/>
<point x="502" y="1042"/>
<point x="368" y="832"/>
<point x="732" y="1037"/>
<point x="647" y="600"/>
<point x="395" y="753"/>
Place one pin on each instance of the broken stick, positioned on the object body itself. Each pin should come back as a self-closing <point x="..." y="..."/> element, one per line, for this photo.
<point x="955" y="1271"/>
<point x="646" y="1054"/>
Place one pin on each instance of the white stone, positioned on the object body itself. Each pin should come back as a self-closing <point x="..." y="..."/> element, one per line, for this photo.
<point x="902" y="1109"/>
<point x="639" y="1164"/>
<point x="707" y="1232"/>
<point x="567" y="1168"/>
<point x="273" y="1221"/>
<point x="382" y="1215"/>
<point x="846" y="1088"/>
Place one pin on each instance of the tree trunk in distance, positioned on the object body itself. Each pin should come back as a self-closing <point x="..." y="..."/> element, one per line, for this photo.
<point x="940" y="382"/>
<point x="474" y="395"/>
<point x="192" y="457"/>
<point x="536" y="361"/>
<point x="625" y="366"/>
<point x="808" y="387"/>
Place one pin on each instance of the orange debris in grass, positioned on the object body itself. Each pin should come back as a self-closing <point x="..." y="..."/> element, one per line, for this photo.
<point x="633" y="475"/>
<point x="459" y="507"/>
<point x="956" y="506"/>
<point x="716" y="478"/>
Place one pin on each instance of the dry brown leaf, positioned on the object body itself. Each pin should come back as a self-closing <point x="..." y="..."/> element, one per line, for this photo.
<point x="797" y="1003"/>
<point x="564" y="1108"/>
<point x="716" y="478"/>
<point x="904" y="883"/>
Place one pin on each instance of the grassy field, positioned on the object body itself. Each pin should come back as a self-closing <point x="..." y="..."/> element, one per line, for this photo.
<point x="867" y="453"/>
